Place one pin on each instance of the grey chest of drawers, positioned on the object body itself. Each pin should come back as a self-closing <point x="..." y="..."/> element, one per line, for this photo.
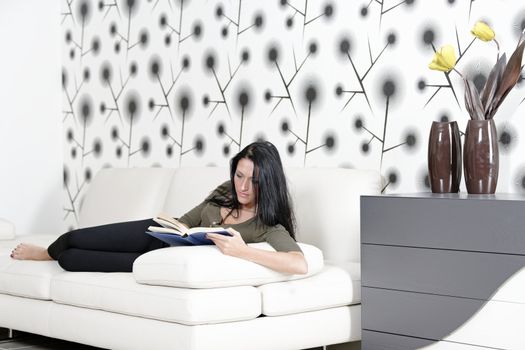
<point x="443" y="271"/>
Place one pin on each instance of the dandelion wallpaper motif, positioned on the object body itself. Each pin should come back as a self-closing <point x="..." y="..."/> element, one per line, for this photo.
<point x="332" y="83"/>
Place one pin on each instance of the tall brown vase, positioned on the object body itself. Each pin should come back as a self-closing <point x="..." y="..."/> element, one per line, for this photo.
<point x="444" y="157"/>
<point x="481" y="157"/>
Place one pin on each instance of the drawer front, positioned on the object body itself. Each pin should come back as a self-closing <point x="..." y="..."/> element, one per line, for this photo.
<point x="446" y="272"/>
<point x="382" y="341"/>
<point x="469" y="321"/>
<point x="371" y="340"/>
<point x="419" y="315"/>
<point x="478" y="225"/>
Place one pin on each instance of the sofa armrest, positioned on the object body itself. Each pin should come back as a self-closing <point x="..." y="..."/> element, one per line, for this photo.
<point x="7" y="230"/>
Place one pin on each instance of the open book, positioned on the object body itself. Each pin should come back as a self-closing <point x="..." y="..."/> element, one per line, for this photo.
<point x="175" y="233"/>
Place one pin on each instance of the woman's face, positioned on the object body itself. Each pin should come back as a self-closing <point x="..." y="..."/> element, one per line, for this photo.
<point x="245" y="185"/>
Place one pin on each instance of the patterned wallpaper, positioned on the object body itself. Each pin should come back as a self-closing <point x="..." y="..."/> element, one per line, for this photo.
<point x="335" y="83"/>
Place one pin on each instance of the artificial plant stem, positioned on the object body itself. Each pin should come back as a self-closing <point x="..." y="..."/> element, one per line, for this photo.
<point x="457" y="71"/>
<point x="497" y="44"/>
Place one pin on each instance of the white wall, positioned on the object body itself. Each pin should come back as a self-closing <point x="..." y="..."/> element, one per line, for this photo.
<point x="30" y="118"/>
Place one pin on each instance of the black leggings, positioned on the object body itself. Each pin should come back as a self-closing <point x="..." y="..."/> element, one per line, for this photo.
<point x="106" y="248"/>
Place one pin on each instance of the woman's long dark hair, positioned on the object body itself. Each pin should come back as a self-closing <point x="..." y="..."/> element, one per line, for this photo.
<point x="271" y="192"/>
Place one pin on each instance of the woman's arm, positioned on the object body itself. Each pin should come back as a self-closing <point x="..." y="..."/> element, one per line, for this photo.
<point x="285" y="262"/>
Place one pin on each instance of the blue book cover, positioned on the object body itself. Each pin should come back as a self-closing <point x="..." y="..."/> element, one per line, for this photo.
<point x="196" y="238"/>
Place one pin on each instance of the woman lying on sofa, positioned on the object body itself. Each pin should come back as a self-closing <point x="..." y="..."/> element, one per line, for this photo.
<point x="254" y="205"/>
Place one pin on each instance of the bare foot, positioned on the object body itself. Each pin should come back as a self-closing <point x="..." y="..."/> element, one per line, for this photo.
<point x="26" y="251"/>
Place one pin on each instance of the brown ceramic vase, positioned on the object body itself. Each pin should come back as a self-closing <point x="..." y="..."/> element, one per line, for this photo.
<point x="481" y="157"/>
<point x="444" y="157"/>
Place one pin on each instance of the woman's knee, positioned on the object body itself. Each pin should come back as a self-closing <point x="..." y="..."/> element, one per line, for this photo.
<point x="70" y="260"/>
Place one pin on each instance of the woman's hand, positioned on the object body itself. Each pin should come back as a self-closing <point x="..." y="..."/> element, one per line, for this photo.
<point x="232" y="245"/>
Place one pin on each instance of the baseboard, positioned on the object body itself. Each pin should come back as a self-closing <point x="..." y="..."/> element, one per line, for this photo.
<point x="355" y="345"/>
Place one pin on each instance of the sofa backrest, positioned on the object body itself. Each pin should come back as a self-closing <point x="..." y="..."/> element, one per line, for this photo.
<point x="326" y="204"/>
<point x="326" y="200"/>
<point x="189" y="187"/>
<point x="124" y="194"/>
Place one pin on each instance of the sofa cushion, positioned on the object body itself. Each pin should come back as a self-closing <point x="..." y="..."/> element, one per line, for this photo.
<point x="207" y="267"/>
<point x="118" y="292"/>
<point x="332" y="287"/>
<point x="26" y="278"/>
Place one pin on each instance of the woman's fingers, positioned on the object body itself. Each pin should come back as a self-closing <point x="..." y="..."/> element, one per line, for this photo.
<point x="233" y="231"/>
<point x="216" y="236"/>
<point x="229" y="245"/>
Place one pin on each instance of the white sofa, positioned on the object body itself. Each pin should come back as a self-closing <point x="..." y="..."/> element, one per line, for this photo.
<point x="195" y="297"/>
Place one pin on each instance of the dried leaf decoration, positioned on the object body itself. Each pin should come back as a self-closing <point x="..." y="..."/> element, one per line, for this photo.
<point x="509" y="79"/>
<point x="492" y="84"/>
<point x="473" y="101"/>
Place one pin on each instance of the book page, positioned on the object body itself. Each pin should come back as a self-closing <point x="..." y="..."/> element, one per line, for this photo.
<point x="167" y="221"/>
<point x="166" y="230"/>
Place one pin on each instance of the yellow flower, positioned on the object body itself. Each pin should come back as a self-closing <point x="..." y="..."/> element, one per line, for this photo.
<point x="482" y="31"/>
<point x="444" y="60"/>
